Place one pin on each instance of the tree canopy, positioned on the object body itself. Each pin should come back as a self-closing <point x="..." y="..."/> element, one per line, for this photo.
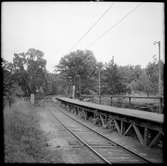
<point x="82" y="63"/>
<point x="112" y="80"/>
<point x="28" y="70"/>
<point x="79" y="68"/>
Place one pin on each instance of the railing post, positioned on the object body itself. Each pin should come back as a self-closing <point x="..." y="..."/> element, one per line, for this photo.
<point x="129" y="100"/>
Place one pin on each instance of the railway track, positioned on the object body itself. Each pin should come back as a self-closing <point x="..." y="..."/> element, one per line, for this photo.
<point x="107" y="150"/>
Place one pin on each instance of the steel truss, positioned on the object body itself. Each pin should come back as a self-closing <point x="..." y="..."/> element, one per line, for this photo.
<point x="147" y="133"/>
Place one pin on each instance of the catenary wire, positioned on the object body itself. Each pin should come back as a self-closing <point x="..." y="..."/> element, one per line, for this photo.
<point x="113" y="26"/>
<point x="93" y="25"/>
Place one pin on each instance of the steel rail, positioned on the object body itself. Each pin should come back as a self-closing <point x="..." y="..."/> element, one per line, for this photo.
<point x="126" y="149"/>
<point x="82" y="141"/>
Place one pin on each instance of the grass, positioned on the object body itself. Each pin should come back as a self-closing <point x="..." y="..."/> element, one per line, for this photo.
<point x="24" y="142"/>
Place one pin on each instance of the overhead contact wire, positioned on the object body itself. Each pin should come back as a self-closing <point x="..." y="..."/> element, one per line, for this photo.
<point x="85" y="34"/>
<point x="116" y="24"/>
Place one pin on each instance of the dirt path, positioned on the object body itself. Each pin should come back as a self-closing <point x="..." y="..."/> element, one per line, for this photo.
<point x="50" y="129"/>
<point x="59" y="140"/>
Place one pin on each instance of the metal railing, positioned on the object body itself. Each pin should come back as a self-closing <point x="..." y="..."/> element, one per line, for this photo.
<point x="160" y="100"/>
<point x="120" y="101"/>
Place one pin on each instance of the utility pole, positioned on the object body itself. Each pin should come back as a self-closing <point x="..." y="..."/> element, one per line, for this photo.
<point x="100" y="66"/>
<point x="113" y="59"/>
<point x="159" y="75"/>
<point x="77" y="84"/>
<point x="159" y="67"/>
<point x="99" y="87"/>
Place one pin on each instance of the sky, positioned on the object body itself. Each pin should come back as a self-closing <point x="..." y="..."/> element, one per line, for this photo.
<point x="55" y="27"/>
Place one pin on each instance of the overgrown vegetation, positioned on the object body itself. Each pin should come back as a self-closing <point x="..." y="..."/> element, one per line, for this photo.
<point x="24" y="142"/>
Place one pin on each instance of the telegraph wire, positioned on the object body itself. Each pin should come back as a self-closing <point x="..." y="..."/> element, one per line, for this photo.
<point x="83" y="36"/>
<point x="113" y="26"/>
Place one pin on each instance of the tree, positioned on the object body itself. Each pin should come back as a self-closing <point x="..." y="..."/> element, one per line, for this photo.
<point x="130" y="73"/>
<point x="54" y="84"/>
<point x="10" y="86"/>
<point x="30" y="71"/>
<point x="8" y="81"/>
<point x="19" y="72"/>
<point x="36" y="68"/>
<point x="152" y="71"/>
<point x="113" y="80"/>
<point x="145" y="83"/>
<point x="82" y="63"/>
<point x="142" y="83"/>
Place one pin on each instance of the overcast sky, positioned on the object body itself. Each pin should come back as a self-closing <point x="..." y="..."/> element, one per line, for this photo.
<point x="54" y="27"/>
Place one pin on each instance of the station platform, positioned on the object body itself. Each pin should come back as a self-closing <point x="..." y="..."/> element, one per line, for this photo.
<point x="155" y="155"/>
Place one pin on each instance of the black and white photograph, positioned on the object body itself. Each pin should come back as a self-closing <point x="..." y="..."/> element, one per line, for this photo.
<point x="83" y="82"/>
